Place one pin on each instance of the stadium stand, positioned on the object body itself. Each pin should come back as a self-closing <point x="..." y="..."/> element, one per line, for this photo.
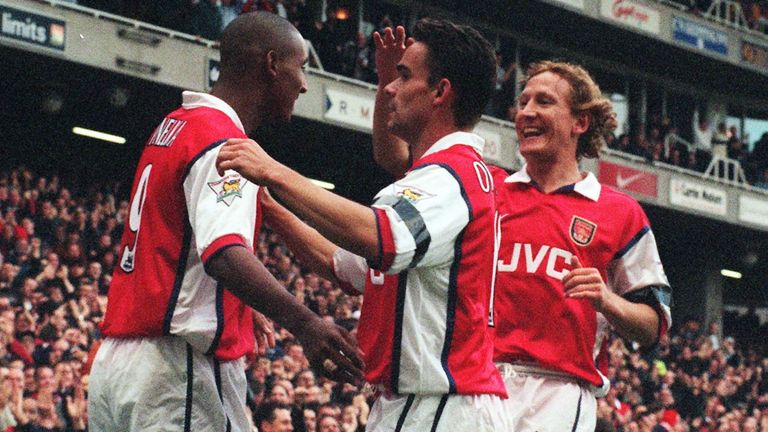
<point x="345" y="51"/>
<point x="58" y="248"/>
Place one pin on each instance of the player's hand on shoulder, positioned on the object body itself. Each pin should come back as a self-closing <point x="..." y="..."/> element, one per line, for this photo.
<point x="585" y="283"/>
<point x="246" y="157"/>
<point x="332" y="351"/>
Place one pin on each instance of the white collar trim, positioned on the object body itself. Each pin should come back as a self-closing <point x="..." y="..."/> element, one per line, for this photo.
<point x="192" y="100"/>
<point x="588" y="187"/>
<point x="467" y="138"/>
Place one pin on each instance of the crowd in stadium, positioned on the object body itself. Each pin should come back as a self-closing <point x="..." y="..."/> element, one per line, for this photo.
<point x="57" y="252"/>
<point x="661" y="143"/>
<point x="755" y="12"/>
<point x="345" y="51"/>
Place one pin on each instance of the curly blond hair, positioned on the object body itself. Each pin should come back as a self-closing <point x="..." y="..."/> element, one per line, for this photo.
<point x="585" y="98"/>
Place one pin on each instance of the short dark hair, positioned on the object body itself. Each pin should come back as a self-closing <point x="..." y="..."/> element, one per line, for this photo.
<point x="249" y="37"/>
<point x="464" y="57"/>
<point x="266" y="412"/>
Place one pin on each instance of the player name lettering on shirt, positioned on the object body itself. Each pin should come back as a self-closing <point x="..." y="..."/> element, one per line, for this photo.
<point x="557" y="260"/>
<point x="168" y="130"/>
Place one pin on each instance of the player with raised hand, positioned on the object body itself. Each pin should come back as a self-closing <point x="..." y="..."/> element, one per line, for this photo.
<point x="389" y="151"/>
<point x="423" y="252"/>
<point x="574" y="258"/>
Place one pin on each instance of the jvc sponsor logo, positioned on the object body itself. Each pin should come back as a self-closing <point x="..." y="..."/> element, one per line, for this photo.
<point x="26" y="29"/>
<point x="523" y="254"/>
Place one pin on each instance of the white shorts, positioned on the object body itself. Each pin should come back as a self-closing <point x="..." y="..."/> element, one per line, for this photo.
<point x="435" y="413"/>
<point x="546" y="401"/>
<point x="162" y="384"/>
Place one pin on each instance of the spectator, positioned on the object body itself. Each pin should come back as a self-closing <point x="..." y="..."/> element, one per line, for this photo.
<point x="228" y="11"/>
<point x="280" y="9"/>
<point x="329" y="42"/>
<point x="328" y="423"/>
<point x="758" y="161"/>
<point x="310" y="420"/>
<point x="359" y="61"/>
<point x="763" y="180"/>
<point x="720" y="141"/>
<point x="504" y="87"/>
<point x="274" y="417"/>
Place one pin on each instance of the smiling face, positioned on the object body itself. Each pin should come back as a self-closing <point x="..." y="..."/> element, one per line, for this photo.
<point x="411" y="94"/>
<point x="546" y="127"/>
<point x="289" y="79"/>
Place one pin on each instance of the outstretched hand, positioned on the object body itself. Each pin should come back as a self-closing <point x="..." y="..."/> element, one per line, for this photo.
<point x="586" y="283"/>
<point x="246" y="157"/>
<point x="332" y="351"/>
<point x="389" y="50"/>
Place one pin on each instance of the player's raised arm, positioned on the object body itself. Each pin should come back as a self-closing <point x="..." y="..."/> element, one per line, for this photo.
<point x="389" y="152"/>
<point x="358" y="233"/>
<point x="314" y="250"/>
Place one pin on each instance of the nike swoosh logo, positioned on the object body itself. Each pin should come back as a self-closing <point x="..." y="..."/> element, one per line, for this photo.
<point x="622" y="182"/>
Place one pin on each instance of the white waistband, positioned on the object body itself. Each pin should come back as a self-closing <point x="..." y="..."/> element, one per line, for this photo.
<point x="532" y="369"/>
<point x="511" y="370"/>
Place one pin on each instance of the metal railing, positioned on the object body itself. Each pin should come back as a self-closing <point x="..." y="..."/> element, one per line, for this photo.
<point x="728" y="13"/>
<point x="671" y="139"/>
<point x="721" y="167"/>
<point x="315" y="61"/>
<point x="726" y="170"/>
<point x="131" y="22"/>
<point x="673" y="4"/>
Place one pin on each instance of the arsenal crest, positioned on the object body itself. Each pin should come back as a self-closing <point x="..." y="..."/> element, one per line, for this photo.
<point x="582" y="231"/>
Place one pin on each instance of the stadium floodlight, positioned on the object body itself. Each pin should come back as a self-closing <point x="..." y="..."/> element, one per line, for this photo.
<point x="90" y="133"/>
<point x="730" y="273"/>
<point x="324" y="185"/>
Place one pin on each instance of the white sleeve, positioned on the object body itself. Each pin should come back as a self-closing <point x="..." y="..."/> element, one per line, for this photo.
<point x="222" y="209"/>
<point x="639" y="267"/>
<point x="350" y="269"/>
<point x="426" y="212"/>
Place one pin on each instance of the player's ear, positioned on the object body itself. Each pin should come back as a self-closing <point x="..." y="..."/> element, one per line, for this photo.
<point x="582" y="123"/>
<point x="442" y="88"/>
<point x="270" y="62"/>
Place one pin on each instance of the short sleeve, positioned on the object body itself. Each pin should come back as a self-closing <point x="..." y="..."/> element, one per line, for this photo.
<point x="419" y="218"/>
<point x="222" y="209"/>
<point x="351" y="271"/>
<point x="637" y="264"/>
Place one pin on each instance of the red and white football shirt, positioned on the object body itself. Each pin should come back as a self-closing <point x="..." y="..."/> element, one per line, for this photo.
<point x="539" y="233"/>
<point x="423" y="325"/>
<point x="182" y="213"/>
